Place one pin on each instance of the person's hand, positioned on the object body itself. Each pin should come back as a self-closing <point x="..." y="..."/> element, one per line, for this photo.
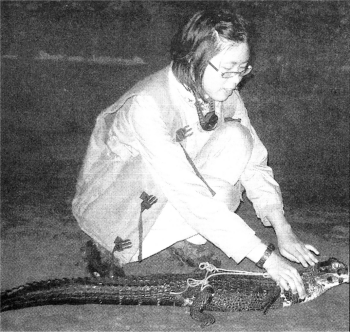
<point x="285" y="275"/>
<point x="291" y="247"/>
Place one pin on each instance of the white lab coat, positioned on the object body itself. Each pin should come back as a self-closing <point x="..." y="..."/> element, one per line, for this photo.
<point x="133" y="150"/>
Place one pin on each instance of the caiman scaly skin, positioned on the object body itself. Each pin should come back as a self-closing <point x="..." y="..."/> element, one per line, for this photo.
<point x="217" y="290"/>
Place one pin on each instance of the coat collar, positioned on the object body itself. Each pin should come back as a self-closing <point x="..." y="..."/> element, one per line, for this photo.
<point x="180" y="88"/>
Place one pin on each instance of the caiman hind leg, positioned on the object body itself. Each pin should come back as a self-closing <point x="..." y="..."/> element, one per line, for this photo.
<point x="198" y="306"/>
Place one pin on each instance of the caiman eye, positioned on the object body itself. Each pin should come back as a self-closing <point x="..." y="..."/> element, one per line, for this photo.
<point x="330" y="279"/>
<point x="341" y="271"/>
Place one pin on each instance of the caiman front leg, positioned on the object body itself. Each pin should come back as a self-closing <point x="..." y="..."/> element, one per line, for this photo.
<point x="199" y="305"/>
<point x="271" y="299"/>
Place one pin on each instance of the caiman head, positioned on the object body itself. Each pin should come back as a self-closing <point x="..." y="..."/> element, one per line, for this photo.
<point x="319" y="278"/>
<point x="325" y="275"/>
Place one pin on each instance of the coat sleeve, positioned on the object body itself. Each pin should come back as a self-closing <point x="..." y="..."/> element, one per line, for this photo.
<point x="257" y="179"/>
<point x="185" y="192"/>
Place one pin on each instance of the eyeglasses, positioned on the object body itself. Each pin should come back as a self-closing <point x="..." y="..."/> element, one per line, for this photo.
<point x="229" y="74"/>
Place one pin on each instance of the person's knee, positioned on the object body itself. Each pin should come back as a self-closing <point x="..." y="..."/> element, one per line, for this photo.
<point x="237" y="134"/>
<point x="229" y="148"/>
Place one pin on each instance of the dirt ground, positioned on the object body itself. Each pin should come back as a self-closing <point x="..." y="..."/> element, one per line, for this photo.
<point x="48" y="111"/>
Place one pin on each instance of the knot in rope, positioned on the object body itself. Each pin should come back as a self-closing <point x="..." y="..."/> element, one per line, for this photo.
<point x="210" y="268"/>
<point x="194" y="283"/>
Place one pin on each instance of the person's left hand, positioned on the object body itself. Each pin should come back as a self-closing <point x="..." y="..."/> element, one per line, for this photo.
<point x="291" y="247"/>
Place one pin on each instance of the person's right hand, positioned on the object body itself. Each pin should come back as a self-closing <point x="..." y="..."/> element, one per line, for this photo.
<point x="286" y="276"/>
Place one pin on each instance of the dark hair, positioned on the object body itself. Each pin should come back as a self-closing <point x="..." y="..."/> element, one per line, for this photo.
<point x="205" y="35"/>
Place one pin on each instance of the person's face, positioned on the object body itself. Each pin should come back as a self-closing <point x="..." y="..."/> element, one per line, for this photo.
<point x="233" y="59"/>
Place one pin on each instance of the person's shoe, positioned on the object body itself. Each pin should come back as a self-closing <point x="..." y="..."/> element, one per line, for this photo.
<point x="99" y="261"/>
<point x="192" y="255"/>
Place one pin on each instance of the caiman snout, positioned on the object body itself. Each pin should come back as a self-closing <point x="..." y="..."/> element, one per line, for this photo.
<point x="331" y="273"/>
<point x="323" y="276"/>
<point x="343" y="275"/>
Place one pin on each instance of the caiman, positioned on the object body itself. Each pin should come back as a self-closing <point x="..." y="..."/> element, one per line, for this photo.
<point x="210" y="290"/>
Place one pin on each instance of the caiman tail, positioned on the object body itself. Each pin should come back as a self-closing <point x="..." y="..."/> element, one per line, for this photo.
<point x="154" y="290"/>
